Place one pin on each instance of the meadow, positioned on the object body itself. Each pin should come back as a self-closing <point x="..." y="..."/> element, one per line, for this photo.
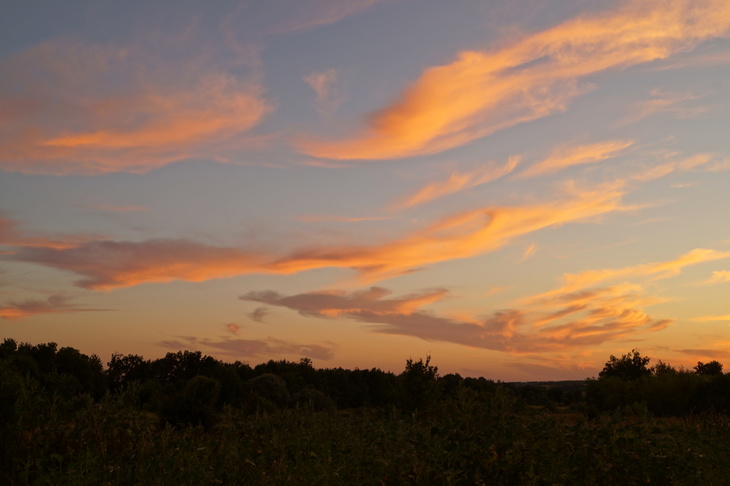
<point x="425" y="429"/>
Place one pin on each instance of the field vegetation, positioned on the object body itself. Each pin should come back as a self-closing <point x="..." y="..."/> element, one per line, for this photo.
<point x="191" y="419"/>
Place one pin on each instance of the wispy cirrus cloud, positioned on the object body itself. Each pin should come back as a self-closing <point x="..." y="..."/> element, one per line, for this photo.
<point x="482" y="92"/>
<point x="657" y="270"/>
<point x="105" y="265"/>
<point x="255" y="19"/>
<point x="675" y="164"/>
<point x="324" y="84"/>
<point x="457" y="181"/>
<point x="81" y="108"/>
<point x="711" y="318"/>
<point x="14" y="235"/>
<point x="564" y="157"/>
<point x="461" y="235"/>
<point x="678" y="105"/>
<point x="528" y="253"/>
<point x="55" y="304"/>
<point x="718" y="277"/>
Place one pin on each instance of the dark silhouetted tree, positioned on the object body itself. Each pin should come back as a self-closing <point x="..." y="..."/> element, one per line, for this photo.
<point x="419" y="388"/>
<point x="711" y="368"/>
<point x="662" y="368"/>
<point x="631" y="366"/>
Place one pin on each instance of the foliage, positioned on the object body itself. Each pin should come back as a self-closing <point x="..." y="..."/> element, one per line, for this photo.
<point x="631" y="366"/>
<point x="190" y="419"/>
<point x="418" y="385"/>
<point x="712" y="368"/>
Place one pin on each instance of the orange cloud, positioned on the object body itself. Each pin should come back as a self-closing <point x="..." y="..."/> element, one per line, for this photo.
<point x="512" y="331"/>
<point x="529" y="251"/>
<point x="107" y="265"/>
<point x="31" y="307"/>
<point x="564" y="157"/>
<point x="664" y="102"/>
<point x="658" y="270"/>
<point x="461" y="235"/>
<point x="482" y="92"/>
<point x="88" y="109"/>
<point x="711" y="318"/>
<point x="664" y="169"/>
<point x="718" y="277"/>
<point x="11" y="234"/>
<point x="455" y="183"/>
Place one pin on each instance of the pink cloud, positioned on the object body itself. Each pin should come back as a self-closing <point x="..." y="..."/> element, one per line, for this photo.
<point x="106" y="265"/>
<point x="12" y="234"/>
<point x="512" y="331"/>
<point x="55" y="304"/>
<point x="564" y="157"/>
<point x="79" y="108"/>
<point x="455" y="183"/>
<point x="481" y="92"/>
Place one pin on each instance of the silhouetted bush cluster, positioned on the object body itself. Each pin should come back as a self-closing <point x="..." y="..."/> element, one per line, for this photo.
<point x="630" y="384"/>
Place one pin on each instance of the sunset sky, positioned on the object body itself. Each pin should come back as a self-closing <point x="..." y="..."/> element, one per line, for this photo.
<point x="519" y="189"/>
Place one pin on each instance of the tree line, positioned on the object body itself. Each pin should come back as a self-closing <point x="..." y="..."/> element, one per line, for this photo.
<point x="67" y="418"/>
<point x="630" y="383"/>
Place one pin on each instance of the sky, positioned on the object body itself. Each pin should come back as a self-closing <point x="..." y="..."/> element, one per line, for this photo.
<point x="517" y="189"/>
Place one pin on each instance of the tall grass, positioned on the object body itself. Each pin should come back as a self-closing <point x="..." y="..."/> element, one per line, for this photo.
<point x="468" y="439"/>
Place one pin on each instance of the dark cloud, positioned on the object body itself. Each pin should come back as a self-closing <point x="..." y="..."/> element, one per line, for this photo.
<point x="258" y="314"/>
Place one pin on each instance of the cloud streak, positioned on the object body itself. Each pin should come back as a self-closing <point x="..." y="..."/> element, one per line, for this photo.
<point x="577" y="314"/>
<point x="461" y="235"/>
<point x="457" y="181"/>
<point x="605" y="315"/>
<point x="482" y="92"/>
<point x="105" y="264"/>
<point x="12" y="234"/>
<point x="665" y="102"/>
<point x="80" y="108"/>
<point x="718" y="277"/>
<point x="656" y="271"/>
<point x="55" y="304"/>
<point x="564" y="157"/>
